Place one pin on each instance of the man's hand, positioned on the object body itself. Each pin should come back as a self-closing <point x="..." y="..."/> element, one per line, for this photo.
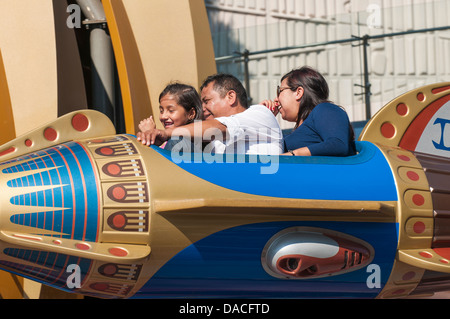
<point x="153" y="137"/>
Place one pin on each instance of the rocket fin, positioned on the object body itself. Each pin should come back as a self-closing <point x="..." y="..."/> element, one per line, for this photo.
<point x="75" y="125"/>
<point x="108" y="252"/>
<point x="434" y="259"/>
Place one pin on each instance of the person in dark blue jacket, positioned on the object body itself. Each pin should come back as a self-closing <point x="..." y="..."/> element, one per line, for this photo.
<point x="322" y="128"/>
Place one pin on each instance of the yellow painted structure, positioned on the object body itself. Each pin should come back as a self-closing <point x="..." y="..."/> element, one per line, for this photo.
<point x="156" y="42"/>
<point x="41" y="77"/>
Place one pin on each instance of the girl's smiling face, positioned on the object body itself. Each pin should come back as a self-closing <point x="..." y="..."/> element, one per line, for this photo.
<point x="171" y="114"/>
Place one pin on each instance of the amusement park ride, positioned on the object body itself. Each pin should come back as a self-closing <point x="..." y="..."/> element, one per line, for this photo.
<point x="89" y="211"/>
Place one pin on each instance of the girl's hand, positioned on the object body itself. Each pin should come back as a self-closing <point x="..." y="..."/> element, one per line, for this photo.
<point x="153" y="136"/>
<point x="273" y="106"/>
<point x="147" y="124"/>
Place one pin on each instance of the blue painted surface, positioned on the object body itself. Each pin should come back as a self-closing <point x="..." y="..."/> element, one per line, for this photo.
<point x="227" y="264"/>
<point x="73" y="203"/>
<point x="366" y="176"/>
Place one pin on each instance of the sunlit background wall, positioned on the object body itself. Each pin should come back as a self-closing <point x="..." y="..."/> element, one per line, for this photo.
<point x="407" y="46"/>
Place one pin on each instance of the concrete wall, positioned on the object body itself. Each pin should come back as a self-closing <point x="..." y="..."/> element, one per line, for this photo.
<point x="396" y="64"/>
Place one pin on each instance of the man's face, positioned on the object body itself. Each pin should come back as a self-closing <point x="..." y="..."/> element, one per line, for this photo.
<point x="213" y="104"/>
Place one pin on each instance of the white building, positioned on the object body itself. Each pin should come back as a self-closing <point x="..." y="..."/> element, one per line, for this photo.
<point x="396" y="63"/>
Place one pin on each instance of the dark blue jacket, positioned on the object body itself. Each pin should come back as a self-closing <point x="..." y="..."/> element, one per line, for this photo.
<point x="326" y="132"/>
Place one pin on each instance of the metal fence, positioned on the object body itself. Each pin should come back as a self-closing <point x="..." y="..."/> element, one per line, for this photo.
<point x="364" y="41"/>
<point x="365" y="65"/>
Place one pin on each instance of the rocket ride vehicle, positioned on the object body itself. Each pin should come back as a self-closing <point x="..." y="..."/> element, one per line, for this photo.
<point x="87" y="211"/>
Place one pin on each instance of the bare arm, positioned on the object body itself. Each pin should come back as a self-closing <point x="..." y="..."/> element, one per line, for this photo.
<point x="193" y="130"/>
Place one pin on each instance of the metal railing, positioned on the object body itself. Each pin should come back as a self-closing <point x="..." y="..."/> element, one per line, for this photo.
<point x="364" y="42"/>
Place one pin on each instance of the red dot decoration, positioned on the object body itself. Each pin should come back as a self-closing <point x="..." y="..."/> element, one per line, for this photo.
<point x="418" y="200"/>
<point x="110" y="269"/>
<point x="404" y="158"/>
<point x="413" y="176"/>
<point x="83" y="246"/>
<point x="99" y="286"/>
<point x="119" y="221"/>
<point x="113" y="169"/>
<point x="50" y="134"/>
<point x="28" y="143"/>
<point x="420" y="96"/>
<point x="419" y="227"/>
<point x="402" y="109"/>
<point x="57" y="242"/>
<point x="388" y="130"/>
<point x="409" y="275"/>
<point x="425" y="254"/>
<point x="80" y="122"/>
<point x="118" y="192"/>
<point x="444" y="261"/>
<point x="106" y="151"/>
<point x="117" y="251"/>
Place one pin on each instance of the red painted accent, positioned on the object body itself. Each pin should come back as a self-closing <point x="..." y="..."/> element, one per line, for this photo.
<point x="110" y="270"/>
<point x="50" y="134"/>
<point x="80" y="122"/>
<point x="57" y="242"/>
<point x="9" y="150"/>
<point x="413" y="176"/>
<point x="118" y="192"/>
<point x="415" y="130"/>
<point x="425" y="254"/>
<point x="349" y="255"/>
<point x="444" y="261"/>
<point x="421" y="97"/>
<point x="97" y="141"/>
<point x="387" y="130"/>
<point x="99" y="286"/>
<point x="419" y="227"/>
<point x="443" y="252"/>
<point x="402" y="109"/>
<point x="119" y="252"/>
<point x="106" y="151"/>
<point x="404" y="158"/>
<point x="119" y="221"/>
<point x="28" y="142"/>
<point x="409" y="275"/>
<point x="113" y="169"/>
<point x="83" y="246"/>
<point x="441" y="89"/>
<point x="418" y="200"/>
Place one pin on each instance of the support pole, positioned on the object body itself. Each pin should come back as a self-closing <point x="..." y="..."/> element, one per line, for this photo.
<point x="102" y="58"/>
<point x="367" y="85"/>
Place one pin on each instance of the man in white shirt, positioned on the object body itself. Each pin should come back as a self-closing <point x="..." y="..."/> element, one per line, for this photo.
<point x="229" y="123"/>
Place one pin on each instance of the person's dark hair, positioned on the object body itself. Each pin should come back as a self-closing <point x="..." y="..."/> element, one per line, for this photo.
<point x="186" y="96"/>
<point x="315" y="88"/>
<point x="227" y="82"/>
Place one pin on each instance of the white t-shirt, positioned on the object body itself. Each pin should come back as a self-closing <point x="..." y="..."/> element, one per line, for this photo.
<point x="254" y="131"/>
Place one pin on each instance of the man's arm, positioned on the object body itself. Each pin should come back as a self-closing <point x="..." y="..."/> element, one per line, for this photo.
<point x="193" y="130"/>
